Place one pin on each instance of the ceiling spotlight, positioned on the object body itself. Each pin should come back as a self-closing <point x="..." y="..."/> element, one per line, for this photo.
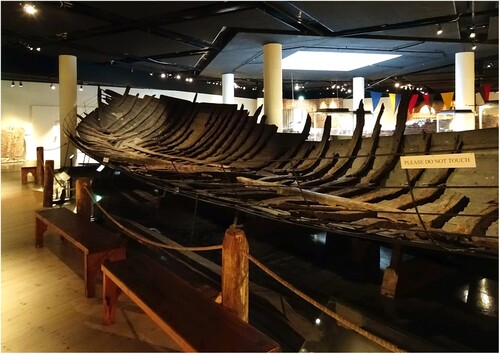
<point x="178" y="77"/>
<point x="396" y="84"/>
<point x="80" y="88"/>
<point x="20" y="84"/>
<point x="439" y="30"/>
<point x="52" y="86"/>
<point x="151" y="74"/>
<point x="131" y="70"/>
<point x="30" y="9"/>
<point x="474" y="47"/>
<point x="472" y="34"/>
<point x="12" y="84"/>
<point x="163" y="75"/>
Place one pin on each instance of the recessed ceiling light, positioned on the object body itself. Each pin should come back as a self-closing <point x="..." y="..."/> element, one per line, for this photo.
<point x="30" y="9"/>
<point x="332" y="61"/>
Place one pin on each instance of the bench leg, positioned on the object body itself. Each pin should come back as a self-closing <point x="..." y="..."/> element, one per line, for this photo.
<point x="93" y="263"/>
<point x="24" y="177"/>
<point x="40" y="228"/>
<point x="110" y="295"/>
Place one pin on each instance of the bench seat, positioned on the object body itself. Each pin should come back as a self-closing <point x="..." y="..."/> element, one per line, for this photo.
<point x="191" y="319"/>
<point x="97" y="243"/>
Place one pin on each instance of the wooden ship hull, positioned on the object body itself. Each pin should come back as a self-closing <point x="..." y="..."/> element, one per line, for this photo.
<point x="356" y="186"/>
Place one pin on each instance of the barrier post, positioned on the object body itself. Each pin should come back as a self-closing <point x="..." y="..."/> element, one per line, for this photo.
<point x="48" y="185"/>
<point x="39" y="166"/>
<point x="235" y="272"/>
<point x="83" y="202"/>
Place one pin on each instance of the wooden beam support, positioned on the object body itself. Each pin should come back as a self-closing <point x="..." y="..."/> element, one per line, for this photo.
<point x="39" y="177"/>
<point x="235" y="291"/>
<point x="83" y="201"/>
<point x="48" y="186"/>
<point x="404" y="276"/>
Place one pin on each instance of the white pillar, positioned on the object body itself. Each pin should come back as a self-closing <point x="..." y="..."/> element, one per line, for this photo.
<point x="464" y="91"/>
<point x="228" y="88"/>
<point x="67" y="105"/>
<point x="273" y="85"/>
<point x="358" y="91"/>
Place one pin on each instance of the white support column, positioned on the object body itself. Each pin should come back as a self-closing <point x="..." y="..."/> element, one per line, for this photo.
<point x="273" y="85"/>
<point x="358" y="91"/>
<point x="67" y="105"/>
<point x="228" y="88"/>
<point x="464" y="91"/>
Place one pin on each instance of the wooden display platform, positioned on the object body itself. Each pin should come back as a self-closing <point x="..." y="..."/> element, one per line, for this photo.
<point x="97" y="243"/>
<point x="192" y="320"/>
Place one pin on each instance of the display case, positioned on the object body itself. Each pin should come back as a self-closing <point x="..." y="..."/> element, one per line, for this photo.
<point x="488" y="115"/>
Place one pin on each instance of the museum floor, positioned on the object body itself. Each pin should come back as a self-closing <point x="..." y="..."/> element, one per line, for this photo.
<point x="43" y="304"/>
<point x="44" y="310"/>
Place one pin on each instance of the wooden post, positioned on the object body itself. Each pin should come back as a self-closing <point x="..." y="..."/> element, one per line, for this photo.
<point x="405" y="276"/>
<point x="235" y="272"/>
<point x="48" y="186"/>
<point x="39" y="166"/>
<point x="391" y="273"/>
<point x="83" y="201"/>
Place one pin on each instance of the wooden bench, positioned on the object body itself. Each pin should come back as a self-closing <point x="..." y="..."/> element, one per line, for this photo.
<point x="191" y="319"/>
<point x="97" y="243"/>
<point x="25" y="170"/>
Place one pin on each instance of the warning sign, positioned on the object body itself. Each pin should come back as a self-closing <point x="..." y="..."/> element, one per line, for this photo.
<point x="466" y="160"/>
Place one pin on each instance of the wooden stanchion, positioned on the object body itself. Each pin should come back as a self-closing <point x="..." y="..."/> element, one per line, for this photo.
<point x="39" y="180"/>
<point x="83" y="201"/>
<point x="235" y="272"/>
<point x="48" y="186"/>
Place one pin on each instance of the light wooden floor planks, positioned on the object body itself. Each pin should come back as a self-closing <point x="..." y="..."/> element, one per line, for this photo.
<point x="43" y="304"/>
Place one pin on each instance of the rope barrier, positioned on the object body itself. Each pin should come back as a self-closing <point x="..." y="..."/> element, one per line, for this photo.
<point x="143" y="239"/>
<point x="380" y="341"/>
<point x="55" y="148"/>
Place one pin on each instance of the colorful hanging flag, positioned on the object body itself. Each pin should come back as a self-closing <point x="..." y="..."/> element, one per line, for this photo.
<point x="375" y="99"/>
<point x="486" y="92"/>
<point x="447" y="99"/>
<point x="413" y="102"/>
<point x="395" y="98"/>
<point x="427" y="100"/>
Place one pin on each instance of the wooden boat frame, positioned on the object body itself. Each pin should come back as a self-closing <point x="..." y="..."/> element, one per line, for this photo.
<point x="356" y="187"/>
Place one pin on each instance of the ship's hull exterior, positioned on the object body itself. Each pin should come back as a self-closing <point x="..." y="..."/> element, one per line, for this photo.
<point x="354" y="186"/>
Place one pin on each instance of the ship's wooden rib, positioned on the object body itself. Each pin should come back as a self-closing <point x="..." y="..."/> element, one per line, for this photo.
<point x="384" y="168"/>
<point x="333" y="171"/>
<point x="303" y="166"/>
<point x="332" y="179"/>
<point x="228" y="151"/>
<point x="221" y="154"/>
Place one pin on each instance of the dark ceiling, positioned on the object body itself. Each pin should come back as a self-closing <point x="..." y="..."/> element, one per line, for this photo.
<point x="132" y="42"/>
